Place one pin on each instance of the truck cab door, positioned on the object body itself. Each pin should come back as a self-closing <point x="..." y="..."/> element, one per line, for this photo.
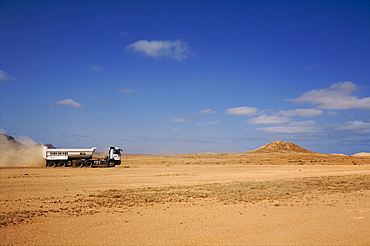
<point x="115" y="154"/>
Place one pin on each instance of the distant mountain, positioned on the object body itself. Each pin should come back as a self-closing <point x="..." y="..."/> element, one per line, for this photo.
<point x="10" y="140"/>
<point x="7" y="139"/>
<point x="362" y="154"/>
<point x="281" y="146"/>
<point x="50" y="146"/>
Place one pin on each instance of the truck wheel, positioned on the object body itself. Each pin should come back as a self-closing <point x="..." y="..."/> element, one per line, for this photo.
<point x="80" y="164"/>
<point x="89" y="163"/>
<point x="111" y="164"/>
<point x="52" y="164"/>
<point x="62" y="164"/>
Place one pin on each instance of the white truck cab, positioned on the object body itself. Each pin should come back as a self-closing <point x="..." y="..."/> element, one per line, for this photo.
<point x="115" y="154"/>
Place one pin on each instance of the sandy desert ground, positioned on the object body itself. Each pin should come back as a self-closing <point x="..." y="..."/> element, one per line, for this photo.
<point x="195" y="199"/>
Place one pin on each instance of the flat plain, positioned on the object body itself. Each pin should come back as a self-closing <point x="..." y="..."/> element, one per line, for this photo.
<point x="251" y="198"/>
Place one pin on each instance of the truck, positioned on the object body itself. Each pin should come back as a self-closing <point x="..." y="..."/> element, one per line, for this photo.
<point x="80" y="157"/>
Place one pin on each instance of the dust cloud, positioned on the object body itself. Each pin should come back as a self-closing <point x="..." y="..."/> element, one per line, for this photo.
<point x="25" y="153"/>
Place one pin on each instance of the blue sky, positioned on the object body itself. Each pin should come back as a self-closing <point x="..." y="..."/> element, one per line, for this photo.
<point x="172" y="77"/>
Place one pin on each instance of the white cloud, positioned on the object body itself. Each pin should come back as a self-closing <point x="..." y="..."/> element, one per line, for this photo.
<point x="208" y="123"/>
<point x="179" y="119"/>
<point x="302" y="123"/>
<point x="2" y="131"/>
<point x="124" y="34"/>
<point x="290" y="129"/>
<point x="300" y="112"/>
<point x="5" y="77"/>
<point x="208" y="111"/>
<point x="358" y="126"/>
<point x="68" y="102"/>
<point x="126" y="91"/>
<point x="350" y="127"/>
<point x="293" y="127"/>
<point x="316" y="66"/>
<point x="332" y="113"/>
<point x="264" y="119"/>
<point x="247" y="111"/>
<point x="95" y="68"/>
<point x="337" y="96"/>
<point x="162" y="49"/>
<point x="175" y="130"/>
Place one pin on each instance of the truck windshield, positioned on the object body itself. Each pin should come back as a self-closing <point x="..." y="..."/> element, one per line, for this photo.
<point x="116" y="151"/>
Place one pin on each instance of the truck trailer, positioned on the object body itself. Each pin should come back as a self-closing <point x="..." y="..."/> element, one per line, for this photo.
<point x="80" y="157"/>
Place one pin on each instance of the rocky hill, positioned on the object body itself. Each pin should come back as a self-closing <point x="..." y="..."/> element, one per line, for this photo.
<point x="9" y="140"/>
<point x="281" y="146"/>
<point x="362" y="154"/>
<point x="50" y="146"/>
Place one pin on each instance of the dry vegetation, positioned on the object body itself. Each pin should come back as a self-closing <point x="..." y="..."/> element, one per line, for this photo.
<point x="279" y="192"/>
<point x="249" y="192"/>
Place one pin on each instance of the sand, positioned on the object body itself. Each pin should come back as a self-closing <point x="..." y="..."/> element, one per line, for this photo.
<point x="199" y="199"/>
